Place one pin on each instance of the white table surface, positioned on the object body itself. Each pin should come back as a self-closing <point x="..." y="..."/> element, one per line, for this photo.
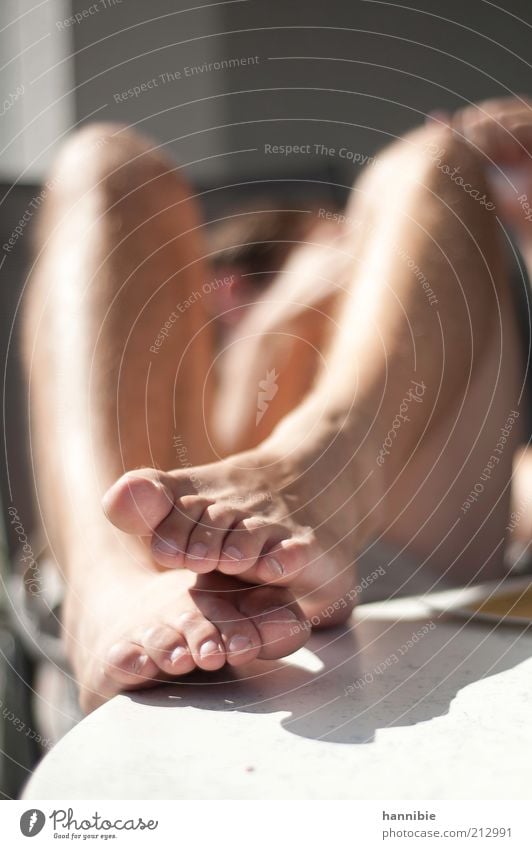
<point x="451" y="718"/>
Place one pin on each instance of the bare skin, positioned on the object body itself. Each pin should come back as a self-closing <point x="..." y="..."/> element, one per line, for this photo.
<point x="120" y="248"/>
<point x="292" y="511"/>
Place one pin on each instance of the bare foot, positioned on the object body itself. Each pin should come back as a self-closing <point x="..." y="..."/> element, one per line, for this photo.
<point x="500" y="128"/>
<point x="286" y="518"/>
<point x="147" y="627"/>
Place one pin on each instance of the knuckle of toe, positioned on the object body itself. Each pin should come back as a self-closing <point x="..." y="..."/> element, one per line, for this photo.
<point x="157" y="637"/>
<point x="216" y="513"/>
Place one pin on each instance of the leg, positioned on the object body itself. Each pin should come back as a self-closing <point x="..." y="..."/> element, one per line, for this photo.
<point x="120" y="249"/>
<point x="440" y="363"/>
<point x="285" y="335"/>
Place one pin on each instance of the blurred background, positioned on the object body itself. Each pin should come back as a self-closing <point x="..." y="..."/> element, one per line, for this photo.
<point x="220" y="85"/>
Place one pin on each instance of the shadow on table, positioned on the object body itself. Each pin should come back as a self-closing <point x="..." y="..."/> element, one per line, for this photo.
<point x="337" y="691"/>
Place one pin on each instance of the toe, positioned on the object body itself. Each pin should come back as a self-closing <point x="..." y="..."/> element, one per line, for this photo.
<point x="207" y="537"/>
<point x="244" y="543"/>
<point x="139" y="501"/>
<point x="203" y="639"/>
<point x="170" y="538"/>
<point x="278" y="619"/>
<point x="168" y="649"/>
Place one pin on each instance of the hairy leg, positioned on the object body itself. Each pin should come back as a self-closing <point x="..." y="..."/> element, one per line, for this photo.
<point x="423" y="338"/>
<point x="501" y="130"/>
<point x="118" y="380"/>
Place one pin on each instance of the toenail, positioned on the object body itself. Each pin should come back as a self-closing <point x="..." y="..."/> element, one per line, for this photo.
<point x="274" y="566"/>
<point x="238" y="644"/>
<point x="177" y="654"/>
<point x="197" y="551"/>
<point x="233" y="553"/>
<point x="165" y="546"/>
<point x="209" y="647"/>
<point x="139" y="663"/>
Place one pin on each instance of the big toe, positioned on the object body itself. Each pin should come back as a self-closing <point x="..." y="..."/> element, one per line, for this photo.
<point x="139" y="501"/>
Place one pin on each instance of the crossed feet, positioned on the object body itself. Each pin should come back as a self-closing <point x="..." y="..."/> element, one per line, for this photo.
<point x="238" y="557"/>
